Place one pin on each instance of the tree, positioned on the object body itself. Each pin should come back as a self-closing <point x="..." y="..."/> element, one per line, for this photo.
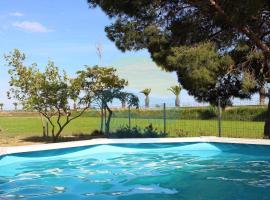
<point x="123" y="103"/>
<point x="176" y="91"/>
<point x="209" y="76"/>
<point x="123" y="99"/>
<point x="47" y="92"/>
<point x="15" y="105"/>
<point x="1" y="106"/>
<point x="104" y="85"/>
<point x="146" y="92"/>
<point x="104" y="97"/>
<point x="239" y="32"/>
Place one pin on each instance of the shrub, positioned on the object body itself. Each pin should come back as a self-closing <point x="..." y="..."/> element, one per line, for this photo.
<point x="237" y="113"/>
<point x="137" y="132"/>
<point x="97" y="133"/>
<point x="210" y="112"/>
<point x="181" y="133"/>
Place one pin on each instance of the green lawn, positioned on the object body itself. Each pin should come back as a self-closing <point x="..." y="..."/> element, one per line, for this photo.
<point x="31" y="126"/>
<point x="187" y="128"/>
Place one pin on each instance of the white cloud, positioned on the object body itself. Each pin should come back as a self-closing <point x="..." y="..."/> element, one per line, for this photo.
<point x="31" y="26"/>
<point x="16" y="14"/>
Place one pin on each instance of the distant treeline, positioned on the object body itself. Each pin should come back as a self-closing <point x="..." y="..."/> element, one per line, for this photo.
<point x="237" y="113"/>
<point x="241" y="113"/>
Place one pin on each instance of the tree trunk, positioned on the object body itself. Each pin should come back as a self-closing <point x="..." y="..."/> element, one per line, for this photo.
<point x="61" y="128"/>
<point x="267" y="122"/>
<point x="267" y="119"/>
<point x="59" y="132"/>
<point x="53" y="135"/>
<point x="105" y="115"/>
<point x="43" y="126"/>
<point x="108" y="121"/>
<point x="262" y="96"/>
<point x="47" y="128"/>
<point x="147" y="101"/>
<point x="177" y="101"/>
<point x="101" y="120"/>
<point x="123" y="104"/>
<point x="74" y="106"/>
<point x="55" y="138"/>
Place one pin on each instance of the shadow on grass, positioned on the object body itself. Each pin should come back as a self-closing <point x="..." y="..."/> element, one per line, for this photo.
<point x="74" y="137"/>
<point x="123" y="132"/>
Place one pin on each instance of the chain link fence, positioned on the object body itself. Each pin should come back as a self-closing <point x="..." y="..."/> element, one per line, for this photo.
<point x="240" y="121"/>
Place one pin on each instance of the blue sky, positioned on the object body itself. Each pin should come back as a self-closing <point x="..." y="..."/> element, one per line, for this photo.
<point x="67" y="32"/>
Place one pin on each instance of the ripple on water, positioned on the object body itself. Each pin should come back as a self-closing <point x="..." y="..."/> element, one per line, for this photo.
<point x="155" y="172"/>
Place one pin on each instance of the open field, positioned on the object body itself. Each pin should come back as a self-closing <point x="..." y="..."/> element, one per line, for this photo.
<point x="19" y="127"/>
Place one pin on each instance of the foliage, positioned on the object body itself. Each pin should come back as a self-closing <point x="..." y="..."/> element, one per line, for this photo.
<point x="160" y="26"/>
<point x="47" y="92"/>
<point x="146" y="91"/>
<point x="238" y="113"/>
<point x="176" y="89"/>
<point x="210" y="75"/>
<point x="178" y="35"/>
<point x="97" y="133"/>
<point x="15" y="105"/>
<point x="137" y="132"/>
<point x="104" y="85"/>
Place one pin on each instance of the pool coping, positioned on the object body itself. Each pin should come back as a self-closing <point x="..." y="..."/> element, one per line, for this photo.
<point x="62" y="145"/>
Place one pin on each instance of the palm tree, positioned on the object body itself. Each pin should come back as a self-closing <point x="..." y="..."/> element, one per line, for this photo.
<point x="1" y="106"/>
<point x="123" y="103"/>
<point x="146" y="92"/>
<point x="15" y="105"/>
<point x="123" y="97"/>
<point x="176" y="91"/>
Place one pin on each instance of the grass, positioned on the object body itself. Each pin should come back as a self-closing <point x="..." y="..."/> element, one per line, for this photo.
<point x="14" y="130"/>
<point x="186" y="128"/>
<point x="21" y="127"/>
<point x="32" y="126"/>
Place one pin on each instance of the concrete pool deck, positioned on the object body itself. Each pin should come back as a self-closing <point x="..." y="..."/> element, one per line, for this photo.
<point x="51" y="146"/>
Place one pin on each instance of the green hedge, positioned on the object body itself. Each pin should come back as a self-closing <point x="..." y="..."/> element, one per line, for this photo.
<point x="237" y="113"/>
<point x="241" y="113"/>
<point x="245" y="113"/>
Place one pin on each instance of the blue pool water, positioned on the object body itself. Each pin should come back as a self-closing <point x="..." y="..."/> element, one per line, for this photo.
<point x="199" y="171"/>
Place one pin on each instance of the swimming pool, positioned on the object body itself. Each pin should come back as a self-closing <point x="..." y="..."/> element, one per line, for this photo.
<point x="139" y="171"/>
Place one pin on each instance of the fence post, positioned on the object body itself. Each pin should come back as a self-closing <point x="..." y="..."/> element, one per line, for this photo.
<point x="164" y="118"/>
<point x="129" y="118"/>
<point x="47" y="128"/>
<point x="105" y="118"/>
<point x="102" y="117"/>
<point x="219" y="118"/>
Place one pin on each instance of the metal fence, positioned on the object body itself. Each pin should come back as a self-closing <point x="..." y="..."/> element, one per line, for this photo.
<point x="246" y="121"/>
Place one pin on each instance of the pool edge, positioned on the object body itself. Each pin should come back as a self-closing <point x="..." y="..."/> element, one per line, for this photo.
<point x="62" y="145"/>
